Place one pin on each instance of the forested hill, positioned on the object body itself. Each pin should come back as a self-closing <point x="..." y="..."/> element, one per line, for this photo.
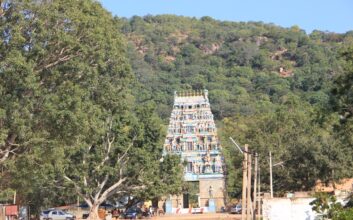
<point x="269" y="86"/>
<point x="247" y="67"/>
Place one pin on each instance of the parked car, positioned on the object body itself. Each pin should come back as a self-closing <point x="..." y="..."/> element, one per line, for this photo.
<point x="43" y="214"/>
<point x="132" y="213"/>
<point x="56" y="215"/>
<point x="236" y="209"/>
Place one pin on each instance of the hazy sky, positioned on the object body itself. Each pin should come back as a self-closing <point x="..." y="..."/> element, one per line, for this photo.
<point x="324" y="15"/>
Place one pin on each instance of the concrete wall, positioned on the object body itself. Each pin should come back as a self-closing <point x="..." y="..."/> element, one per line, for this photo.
<point x="289" y="209"/>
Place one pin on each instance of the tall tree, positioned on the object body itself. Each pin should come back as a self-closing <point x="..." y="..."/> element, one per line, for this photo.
<point x="65" y="100"/>
<point x="342" y="103"/>
<point x="295" y="139"/>
<point x="343" y="87"/>
<point x="47" y="49"/>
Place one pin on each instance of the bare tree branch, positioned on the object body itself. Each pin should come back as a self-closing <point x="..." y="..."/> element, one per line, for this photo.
<point x="85" y="181"/>
<point x="7" y="148"/>
<point x="79" y="191"/>
<point x="59" y="60"/>
<point x="111" y="190"/>
<point x="100" y="187"/>
<point x="108" y="149"/>
<point x="126" y="191"/>
<point x="4" y="154"/>
<point x="125" y="153"/>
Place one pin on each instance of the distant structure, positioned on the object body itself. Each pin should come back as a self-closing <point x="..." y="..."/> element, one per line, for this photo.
<point x="192" y="134"/>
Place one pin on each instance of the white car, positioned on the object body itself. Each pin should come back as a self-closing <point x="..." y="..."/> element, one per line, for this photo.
<point x="236" y="209"/>
<point x="56" y="215"/>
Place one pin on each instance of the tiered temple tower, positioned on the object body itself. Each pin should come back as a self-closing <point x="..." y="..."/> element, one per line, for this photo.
<point x="192" y="134"/>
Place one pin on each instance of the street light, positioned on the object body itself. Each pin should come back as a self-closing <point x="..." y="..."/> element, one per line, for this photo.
<point x="276" y="164"/>
<point x="241" y="151"/>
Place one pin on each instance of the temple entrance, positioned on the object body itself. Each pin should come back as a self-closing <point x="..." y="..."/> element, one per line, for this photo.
<point x="186" y="200"/>
<point x="191" y="194"/>
<point x="190" y="200"/>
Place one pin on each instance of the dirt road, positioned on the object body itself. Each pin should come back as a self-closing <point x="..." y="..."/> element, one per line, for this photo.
<point x="206" y="216"/>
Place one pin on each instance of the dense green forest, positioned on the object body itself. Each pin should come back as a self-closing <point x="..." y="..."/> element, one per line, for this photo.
<point x="270" y="87"/>
<point x="85" y="99"/>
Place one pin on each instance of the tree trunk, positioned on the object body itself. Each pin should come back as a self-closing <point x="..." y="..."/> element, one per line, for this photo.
<point x="93" y="212"/>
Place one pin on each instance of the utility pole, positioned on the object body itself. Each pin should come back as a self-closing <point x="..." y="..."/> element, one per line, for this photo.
<point x="255" y="186"/>
<point x="271" y="186"/>
<point x="243" y="200"/>
<point x="14" y="198"/>
<point x="259" y="192"/>
<point x="1" y="9"/>
<point x="249" y="206"/>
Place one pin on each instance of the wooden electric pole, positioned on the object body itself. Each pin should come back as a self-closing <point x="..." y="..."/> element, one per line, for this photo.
<point x="248" y="205"/>
<point x="259" y="193"/>
<point x="271" y="185"/>
<point x="255" y="186"/>
<point x="1" y="9"/>
<point x="245" y="165"/>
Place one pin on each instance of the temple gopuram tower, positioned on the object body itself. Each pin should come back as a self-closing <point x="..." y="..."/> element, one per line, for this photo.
<point x="192" y="134"/>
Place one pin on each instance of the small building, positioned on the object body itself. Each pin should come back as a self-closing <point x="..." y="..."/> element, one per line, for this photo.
<point x="192" y="134"/>
<point x="340" y="188"/>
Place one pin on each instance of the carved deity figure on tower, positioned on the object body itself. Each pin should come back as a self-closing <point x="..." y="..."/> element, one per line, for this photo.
<point x="218" y="164"/>
<point x="195" y="167"/>
<point x="207" y="160"/>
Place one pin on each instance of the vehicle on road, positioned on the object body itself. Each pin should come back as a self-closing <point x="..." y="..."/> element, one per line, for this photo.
<point x="236" y="209"/>
<point x="56" y="215"/>
<point x="132" y="213"/>
<point x="43" y="214"/>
